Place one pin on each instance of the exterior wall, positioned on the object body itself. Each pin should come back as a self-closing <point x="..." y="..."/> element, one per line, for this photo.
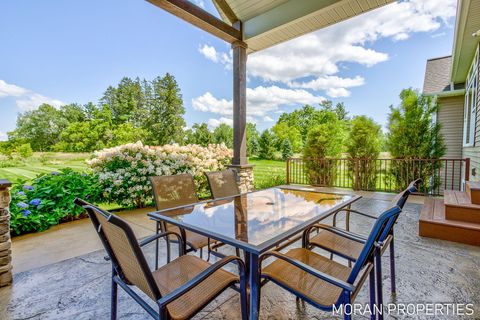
<point x="450" y="115"/>
<point x="473" y="152"/>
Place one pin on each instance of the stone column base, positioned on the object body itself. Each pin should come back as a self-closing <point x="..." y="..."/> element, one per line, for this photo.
<point x="5" y="243"/>
<point x="245" y="177"/>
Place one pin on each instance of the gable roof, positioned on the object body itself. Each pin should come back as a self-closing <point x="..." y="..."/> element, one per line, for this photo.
<point x="437" y="75"/>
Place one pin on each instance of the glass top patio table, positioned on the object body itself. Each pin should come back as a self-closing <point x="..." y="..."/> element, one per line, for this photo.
<point x="259" y="220"/>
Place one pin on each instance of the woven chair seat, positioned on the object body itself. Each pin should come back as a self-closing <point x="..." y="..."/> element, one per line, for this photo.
<point x="334" y="243"/>
<point x="181" y="270"/>
<point x="194" y="240"/>
<point x="306" y="284"/>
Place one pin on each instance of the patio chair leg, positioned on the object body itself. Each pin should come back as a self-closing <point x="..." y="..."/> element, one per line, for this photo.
<point x="157" y="245"/>
<point x="168" y="249"/>
<point x="201" y="253"/>
<point x="113" y="310"/>
<point x="347" y="310"/>
<point x="372" y="293"/>
<point x="393" y="290"/>
<point x="378" y="269"/>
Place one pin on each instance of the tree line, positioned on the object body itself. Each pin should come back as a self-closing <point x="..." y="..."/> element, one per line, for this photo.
<point x="152" y="111"/>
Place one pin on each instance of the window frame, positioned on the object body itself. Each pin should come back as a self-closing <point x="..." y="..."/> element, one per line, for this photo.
<point x="470" y="105"/>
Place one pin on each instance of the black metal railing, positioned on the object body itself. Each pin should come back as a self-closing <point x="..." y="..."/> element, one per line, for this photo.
<point x="388" y="175"/>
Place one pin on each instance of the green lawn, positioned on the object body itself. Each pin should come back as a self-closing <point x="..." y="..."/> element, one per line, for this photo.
<point x="42" y="163"/>
<point x="268" y="173"/>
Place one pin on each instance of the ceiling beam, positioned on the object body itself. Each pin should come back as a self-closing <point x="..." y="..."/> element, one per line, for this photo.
<point x="202" y="19"/>
<point x="224" y="9"/>
<point x="281" y="15"/>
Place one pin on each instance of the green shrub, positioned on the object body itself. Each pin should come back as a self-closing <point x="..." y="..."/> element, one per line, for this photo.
<point x="323" y="142"/>
<point x="49" y="200"/>
<point x="267" y="145"/>
<point x="25" y="150"/>
<point x="286" y="149"/>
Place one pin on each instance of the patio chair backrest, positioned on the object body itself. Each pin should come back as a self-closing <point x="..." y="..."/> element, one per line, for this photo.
<point x="384" y="222"/>
<point x="173" y="191"/>
<point x="223" y="183"/>
<point x="123" y="249"/>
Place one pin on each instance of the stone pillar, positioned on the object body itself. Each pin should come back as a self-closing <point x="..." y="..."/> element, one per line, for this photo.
<point x="5" y="243"/>
<point x="244" y="176"/>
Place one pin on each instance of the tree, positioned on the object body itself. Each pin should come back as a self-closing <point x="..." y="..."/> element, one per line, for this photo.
<point x="41" y="127"/>
<point x="73" y="113"/>
<point x="412" y="134"/>
<point x="306" y="118"/>
<point x="223" y="134"/>
<point x="125" y="101"/>
<point x="284" y="132"/>
<point x="286" y="149"/>
<point x="363" y="147"/>
<point x="162" y="118"/>
<point x="252" y="139"/>
<point x="25" y="151"/>
<point x="267" y="145"/>
<point x="200" y="134"/>
<point x="324" y="141"/>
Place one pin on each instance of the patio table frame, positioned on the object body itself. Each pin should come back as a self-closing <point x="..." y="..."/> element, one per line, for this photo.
<point x="252" y="252"/>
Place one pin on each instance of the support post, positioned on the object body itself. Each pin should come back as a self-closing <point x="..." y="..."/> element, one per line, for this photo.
<point x="5" y="242"/>
<point x="239" y="103"/>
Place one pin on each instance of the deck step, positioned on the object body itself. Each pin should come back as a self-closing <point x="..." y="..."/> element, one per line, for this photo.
<point x="432" y="224"/>
<point x="473" y="191"/>
<point x="458" y="207"/>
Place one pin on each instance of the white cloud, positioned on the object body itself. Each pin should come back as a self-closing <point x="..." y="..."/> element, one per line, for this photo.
<point x="261" y="101"/>
<point x="3" y="136"/>
<point x="268" y="119"/>
<point x="312" y="61"/>
<point x="213" y="123"/>
<point x="34" y="100"/>
<point x="11" y="90"/>
<point x="212" y="54"/>
<point x="25" y="99"/>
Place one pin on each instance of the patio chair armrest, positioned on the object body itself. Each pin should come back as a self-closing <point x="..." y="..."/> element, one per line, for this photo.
<point x="343" y="233"/>
<point x="305" y="267"/>
<point x="149" y="239"/>
<point x="357" y="212"/>
<point x="175" y="294"/>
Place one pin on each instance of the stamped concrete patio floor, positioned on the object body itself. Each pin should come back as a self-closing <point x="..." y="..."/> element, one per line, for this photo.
<point x="428" y="271"/>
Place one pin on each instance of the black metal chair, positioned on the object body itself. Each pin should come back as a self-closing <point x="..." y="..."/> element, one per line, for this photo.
<point x="325" y="283"/>
<point x="338" y="241"/>
<point x="180" y="288"/>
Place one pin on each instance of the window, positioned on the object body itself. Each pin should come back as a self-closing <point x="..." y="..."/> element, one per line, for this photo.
<point x="471" y="103"/>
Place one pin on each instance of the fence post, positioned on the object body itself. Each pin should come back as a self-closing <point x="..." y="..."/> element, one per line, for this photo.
<point x="288" y="171"/>
<point x="467" y="169"/>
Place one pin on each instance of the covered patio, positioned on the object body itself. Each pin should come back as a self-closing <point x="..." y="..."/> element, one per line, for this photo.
<point x="429" y="271"/>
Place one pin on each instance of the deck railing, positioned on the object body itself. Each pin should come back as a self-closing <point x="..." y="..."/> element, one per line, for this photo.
<point x="388" y="175"/>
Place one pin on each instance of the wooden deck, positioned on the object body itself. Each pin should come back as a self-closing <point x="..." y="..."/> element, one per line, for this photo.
<point x="454" y="218"/>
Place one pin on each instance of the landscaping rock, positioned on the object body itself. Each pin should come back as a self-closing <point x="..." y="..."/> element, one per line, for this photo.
<point x="5" y="243"/>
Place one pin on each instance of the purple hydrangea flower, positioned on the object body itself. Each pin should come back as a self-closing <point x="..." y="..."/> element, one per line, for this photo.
<point x="22" y="205"/>
<point x="21" y="193"/>
<point x="29" y="188"/>
<point x="55" y="173"/>
<point x="26" y="212"/>
<point x="35" y="202"/>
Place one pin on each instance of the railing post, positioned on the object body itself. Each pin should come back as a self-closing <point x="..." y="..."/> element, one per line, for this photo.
<point x="356" y="174"/>
<point x="5" y="242"/>
<point x="288" y="171"/>
<point x="467" y="169"/>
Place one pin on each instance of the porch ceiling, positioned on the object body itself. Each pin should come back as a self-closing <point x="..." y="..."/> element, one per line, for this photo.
<point x="269" y="22"/>
<point x="468" y="22"/>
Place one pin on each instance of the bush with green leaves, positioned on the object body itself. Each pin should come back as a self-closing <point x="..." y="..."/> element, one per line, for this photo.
<point x="363" y="147"/>
<point x="48" y="200"/>
<point x="25" y="150"/>
<point x="286" y="149"/>
<point x="267" y="145"/>
<point x="324" y="142"/>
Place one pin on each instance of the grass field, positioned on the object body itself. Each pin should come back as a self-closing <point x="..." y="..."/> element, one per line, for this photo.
<point x="41" y="163"/>
<point x="266" y="172"/>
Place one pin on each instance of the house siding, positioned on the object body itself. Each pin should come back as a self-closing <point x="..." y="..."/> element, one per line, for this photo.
<point x="474" y="152"/>
<point x="450" y="116"/>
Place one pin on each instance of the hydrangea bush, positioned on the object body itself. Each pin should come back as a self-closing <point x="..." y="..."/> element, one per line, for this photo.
<point x="48" y="200"/>
<point x="123" y="171"/>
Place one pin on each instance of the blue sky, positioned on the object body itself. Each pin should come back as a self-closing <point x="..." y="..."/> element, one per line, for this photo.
<point x="70" y="51"/>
